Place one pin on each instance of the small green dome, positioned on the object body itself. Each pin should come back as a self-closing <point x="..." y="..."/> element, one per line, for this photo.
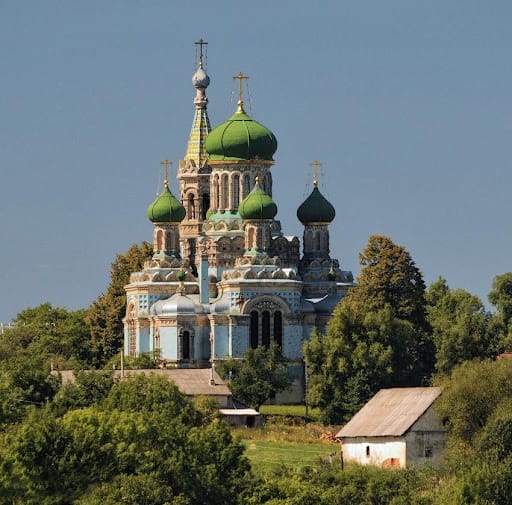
<point x="257" y="205"/>
<point x="240" y="138"/>
<point x="316" y="209"/>
<point x="331" y="275"/>
<point x="166" y="208"/>
<point x="181" y="275"/>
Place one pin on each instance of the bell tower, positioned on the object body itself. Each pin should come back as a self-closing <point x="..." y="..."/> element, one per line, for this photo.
<point x="194" y="171"/>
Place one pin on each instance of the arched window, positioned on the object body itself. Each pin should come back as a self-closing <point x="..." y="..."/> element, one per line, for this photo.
<point x="191" y="210"/>
<point x="236" y="191"/>
<point x="317" y="241"/>
<point x="254" y="329"/>
<point x="206" y="205"/>
<point x="278" y="328"/>
<point x="265" y="328"/>
<point x="216" y="197"/>
<point x="250" y="237"/>
<point x="247" y="185"/>
<point x="159" y="240"/>
<point x="185" y="345"/>
<point x="225" y="192"/>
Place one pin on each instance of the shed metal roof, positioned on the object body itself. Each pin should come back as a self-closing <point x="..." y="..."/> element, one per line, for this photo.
<point x="391" y="412"/>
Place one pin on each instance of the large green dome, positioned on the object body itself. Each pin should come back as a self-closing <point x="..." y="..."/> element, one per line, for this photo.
<point x="316" y="209"/>
<point x="241" y="138"/>
<point x="257" y="205"/>
<point x="166" y="208"/>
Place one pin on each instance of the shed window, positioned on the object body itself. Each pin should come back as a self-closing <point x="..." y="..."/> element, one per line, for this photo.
<point x="428" y="452"/>
<point x="367" y="451"/>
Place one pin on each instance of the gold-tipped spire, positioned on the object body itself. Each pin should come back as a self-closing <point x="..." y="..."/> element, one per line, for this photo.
<point x="316" y="165"/>
<point x="241" y="77"/>
<point x="201" y="43"/>
<point x="166" y="164"/>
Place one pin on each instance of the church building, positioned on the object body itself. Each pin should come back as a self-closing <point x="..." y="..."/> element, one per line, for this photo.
<point x="224" y="277"/>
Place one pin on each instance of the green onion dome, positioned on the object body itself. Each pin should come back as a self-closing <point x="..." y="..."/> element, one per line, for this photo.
<point x="331" y="275"/>
<point x="257" y="205"/>
<point x="240" y="138"/>
<point x="166" y="208"/>
<point x="316" y="208"/>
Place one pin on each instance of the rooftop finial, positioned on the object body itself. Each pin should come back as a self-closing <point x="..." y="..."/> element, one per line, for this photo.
<point x="316" y="165"/>
<point x="166" y="164"/>
<point x="240" y="76"/>
<point x="201" y="43"/>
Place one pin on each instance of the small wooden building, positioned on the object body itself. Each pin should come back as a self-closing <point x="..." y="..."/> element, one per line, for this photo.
<point x="396" y="428"/>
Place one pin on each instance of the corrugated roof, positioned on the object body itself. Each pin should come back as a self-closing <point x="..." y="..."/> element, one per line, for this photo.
<point x="191" y="381"/>
<point x="391" y="412"/>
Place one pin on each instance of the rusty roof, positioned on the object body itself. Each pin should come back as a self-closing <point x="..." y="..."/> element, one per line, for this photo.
<point x="391" y="412"/>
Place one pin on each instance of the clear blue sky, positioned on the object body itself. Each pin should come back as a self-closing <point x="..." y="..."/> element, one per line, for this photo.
<point x="407" y="104"/>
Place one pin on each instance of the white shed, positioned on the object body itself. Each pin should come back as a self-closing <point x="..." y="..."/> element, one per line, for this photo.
<point x="397" y="427"/>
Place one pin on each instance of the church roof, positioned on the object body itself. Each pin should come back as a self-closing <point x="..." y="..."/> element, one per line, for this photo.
<point x="241" y="138"/>
<point x="316" y="209"/>
<point x="166" y="208"/>
<point x="257" y="205"/>
<point x="177" y="304"/>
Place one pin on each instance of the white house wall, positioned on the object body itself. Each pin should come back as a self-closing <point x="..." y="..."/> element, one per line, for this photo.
<point x="380" y="449"/>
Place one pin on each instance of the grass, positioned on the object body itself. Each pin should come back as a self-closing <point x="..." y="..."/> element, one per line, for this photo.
<point x="283" y="442"/>
<point x="268" y="456"/>
<point x="290" y="410"/>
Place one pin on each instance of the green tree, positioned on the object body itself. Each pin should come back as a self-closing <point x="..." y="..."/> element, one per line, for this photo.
<point x="104" y="316"/>
<point x="145" y="427"/>
<point x="501" y="297"/>
<point x="460" y="326"/>
<point x="378" y="336"/>
<point x="471" y="395"/>
<point x="259" y="376"/>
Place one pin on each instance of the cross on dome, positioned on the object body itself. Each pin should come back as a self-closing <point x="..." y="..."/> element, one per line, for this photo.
<point x="316" y="165"/>
<point x="201" y="43"/>
<point x="166" y="164"/>
<point x="240" y="77"/>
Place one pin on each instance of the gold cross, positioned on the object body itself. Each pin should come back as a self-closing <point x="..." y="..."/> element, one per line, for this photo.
<point x="316" y="165"/>
<point x="166" y="164"/>
<point x="201" y="43"/>
<point x="240" y="76"/>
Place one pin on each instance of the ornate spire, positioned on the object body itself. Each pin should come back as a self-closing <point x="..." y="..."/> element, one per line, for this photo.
<point x="241" y="77"/>
<point x="201" y="124"/>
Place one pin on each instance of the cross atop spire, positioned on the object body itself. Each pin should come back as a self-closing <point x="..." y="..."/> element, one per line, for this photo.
<point x="201" y="43"/>
<point x="241" y="77"/>
<point x="316" y="165"/>
<point x="166" y="164"/>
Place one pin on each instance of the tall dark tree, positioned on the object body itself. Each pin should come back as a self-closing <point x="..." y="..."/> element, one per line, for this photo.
<point x="377" y="337"/>
<point x="104" y="317"/>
